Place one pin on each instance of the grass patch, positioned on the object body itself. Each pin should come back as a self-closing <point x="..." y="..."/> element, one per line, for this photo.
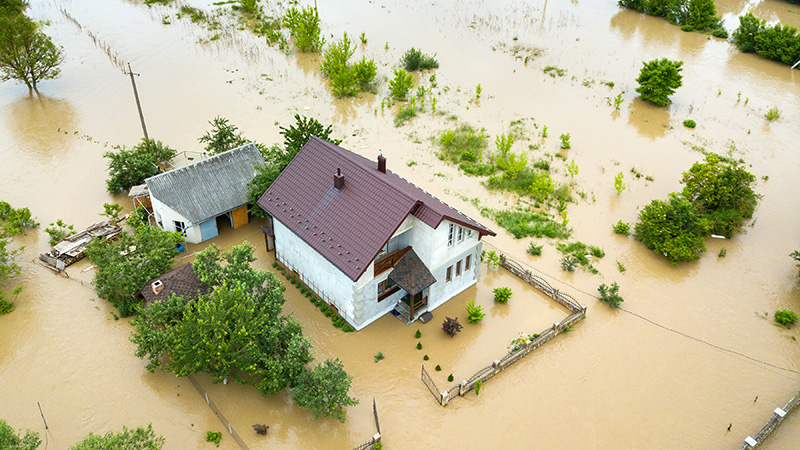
<point x="554" y="71"/>
<point x="581" y="253"/>
<point x="465" y="148"/>
<point x="404" y="115"/>
<point x="528" y="223"/>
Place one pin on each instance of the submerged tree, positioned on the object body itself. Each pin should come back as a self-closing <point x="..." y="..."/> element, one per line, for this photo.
<point x="346" y="79"/>
<point x="10" y="439"/>
<point x="130" y="167"/>
<point x="138" y="438"/>
<point x="324" y="390"/>
<point x="674" y="228"/>
<point x="304" y="25"/>
<point x="222" y="137"/>
<point x="658" y="79"/>
<point x="27" y="54"/>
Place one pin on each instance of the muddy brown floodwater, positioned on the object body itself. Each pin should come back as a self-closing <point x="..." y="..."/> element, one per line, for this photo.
<point x="617" y="381"/>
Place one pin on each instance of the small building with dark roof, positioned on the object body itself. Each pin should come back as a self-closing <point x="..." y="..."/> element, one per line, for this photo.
<point x="181" y="281"/>
<point x="189" y="199"/>
<point x="366" y="239"/>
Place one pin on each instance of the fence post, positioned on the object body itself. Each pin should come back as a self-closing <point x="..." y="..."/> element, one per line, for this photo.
<point x="462" y="387"/>
<point x="444" y="396"/>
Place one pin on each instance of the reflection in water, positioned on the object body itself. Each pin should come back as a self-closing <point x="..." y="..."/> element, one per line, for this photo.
<point x="39" y="124"/>
<point x="649" y="120"/>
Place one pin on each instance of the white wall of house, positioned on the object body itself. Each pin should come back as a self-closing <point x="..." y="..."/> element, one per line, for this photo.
<point x="168" y="216"/>
<point x="317" y="271"/>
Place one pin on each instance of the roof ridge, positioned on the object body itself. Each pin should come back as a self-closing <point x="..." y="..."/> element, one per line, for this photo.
<point x="204" y="160"/>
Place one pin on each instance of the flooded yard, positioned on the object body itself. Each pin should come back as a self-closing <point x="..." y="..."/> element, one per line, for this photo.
<point x="616" y="381"/>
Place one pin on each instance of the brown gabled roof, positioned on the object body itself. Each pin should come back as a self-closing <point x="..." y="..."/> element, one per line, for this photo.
<point x="349" y="226"/>
<point x="411" y="274"/>
<point x="182" y="281"/>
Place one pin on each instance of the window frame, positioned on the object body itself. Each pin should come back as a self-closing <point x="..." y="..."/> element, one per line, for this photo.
<point x="180" y="227"/>
<point x="458" y="269"/>
<point x="385" y="291"/>
<point x="448" y="275"/>
<point x="467" y="262"/>
<point x="460" y="234"/>
<point x="451" y="235"/>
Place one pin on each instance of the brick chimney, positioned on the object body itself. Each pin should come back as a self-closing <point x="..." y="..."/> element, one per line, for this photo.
<point x="381" y="164"/>
<point x="338" y="179"/>
<point x="157" y="286"/>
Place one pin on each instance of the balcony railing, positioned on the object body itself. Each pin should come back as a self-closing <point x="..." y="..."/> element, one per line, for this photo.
<point x="389" y="260"/>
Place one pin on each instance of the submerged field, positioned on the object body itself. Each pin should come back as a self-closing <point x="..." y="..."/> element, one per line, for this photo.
<point x="616" y="381"/>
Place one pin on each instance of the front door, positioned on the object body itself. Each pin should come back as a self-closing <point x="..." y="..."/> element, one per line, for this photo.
<point x="417" y="302"/>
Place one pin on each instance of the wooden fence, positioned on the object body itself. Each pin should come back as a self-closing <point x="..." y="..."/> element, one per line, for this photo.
<point x="777" y="417"/>
<point x="578" y="313"/>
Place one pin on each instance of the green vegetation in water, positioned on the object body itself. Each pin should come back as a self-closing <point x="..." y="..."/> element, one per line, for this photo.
<point x="214" y="436"/>
<point x="404" y="115"/>
<point x="401" y="84"/>
<point x="689" y="15"/>
<point x="785" y="317"/>
<point x="723" y="252"/>
<point x="621" y="266"/>
<point x="622" y="228"/>
<point x="610" y="294"/>
<point x="619" y="184"/>
<point x="528" y="223"/>
<point x="475" y="312"/>
<point x="502" y="294"/>
<point x="773" y="114"/>
<point x="777" y="42"/>
<point x="464" y="147"/>
<point x="689" y="123"/>
<point x="581" y="253"/>
<point x="413" y="59"/>
<point x="58" y="230"/>
<point x="565" y="144"/>
<point x="346" y="79"/>
<point x="451" y="326"/>
<point x="554" y="71"/>
<point x="304" y="26"/>
<point x="658" y="79"/>
<point x="534" y="249"/>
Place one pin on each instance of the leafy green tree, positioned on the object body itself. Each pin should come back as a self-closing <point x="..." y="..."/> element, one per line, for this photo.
<point x="658" y="79"/>
<point x="702" y="15"/>
<point x="744" y="36"/>
<point x="153" y="331"/>
<point x="128" y="439"/>
<point x="27" y="54"/>
<point x="124" y="265"/>
<point x="324" y="390"/>
<point x="796" y="256"/>
<point x="10" y="439"/>
<point x="222" y="137"/>
<point x="58" y="230"/>
<point x="304" y="25"/>
<point x="722" y="192"/>
<point x="346" y="79"/>
<point x="401" y="84"/>
<point x="674" y="228"/>
<point x="786" y="317"/>
<point x="10" y="8"/>
<point x="12" y="222"/>
<point x="779" y="43"/>
<point x="295" y="137"/>
<point x="130" y="167"/>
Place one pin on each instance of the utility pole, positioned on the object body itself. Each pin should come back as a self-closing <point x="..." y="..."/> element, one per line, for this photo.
<point x="136" y="94"/>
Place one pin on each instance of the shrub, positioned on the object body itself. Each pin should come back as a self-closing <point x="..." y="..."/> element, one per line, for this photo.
<point x="568" y="263"/>
<point x="528" y="223"/>
<point x="438" y="368"/>
<point x="721" y="33"/>
<point x="214" y="436"/>
<point x="785" y="317"/>
<point x="303" y="24"/>
<point x="379" y="356"/>
<point x="451" y="326"/>
<point x="689" y="123"/>
<point x="580" y="253"/>
<point x="773" y="114"/>
<point x="474" y="312"/>
<point x="659" y="79"/>
<point x="401" y="84"/>
<point x="565" y="141"/>
<point x="419" y="345"/>
<point x="261" y="429"/>
<point x="414" y="59"/>
<point x="346" y="80"/>
<point x="796" y="256"/>
<point x="622" y="228"/>
<point x="425" y="358"/>
<point x="478" y="385"/>
<point x="450" y="378"/>
<point x="404" y="115"/>
<point x="674" y="228"/>
<point x="418" y="334"/>
<point x="502" y="294"/>
<point x="610" y="295"/>
<point x="58" y="231"/>
<point x="491" y="258"/>
<point x="534" y="249"/>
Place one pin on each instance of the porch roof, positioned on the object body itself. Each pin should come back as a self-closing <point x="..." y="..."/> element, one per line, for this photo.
<point x="411" y="274"/>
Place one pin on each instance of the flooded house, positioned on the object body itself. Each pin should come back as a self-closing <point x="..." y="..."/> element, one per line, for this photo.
<point x="181" y="281"/>
<point x="197" y="198"/>
<point x="365" y="239"/>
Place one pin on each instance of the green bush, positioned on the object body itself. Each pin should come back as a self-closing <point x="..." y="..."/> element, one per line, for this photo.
<point x="419" y="345"/>
<point x="785" y="317"/>
<point x="401" y="84"/>
<point x="475" y="312"/>
<point x="528" y="223"/>
<point x="689" y="123"/>
<point x="565" y="141"/>
<point x="580" y="253"/>
<point x="478" y="385"/>
<point x="418" y="334"/>
<point x="502" y="294"/>
<point x="610" y="295"/>
<point x="58" y="231"/>
<point x="214" y="436"/>
<point x="659" y="79"/>
<point x="451" y="327"/>
<point x="773" y="114"/>
<point x="438" y="368"/>
<point x="674" y="228"/>
<point x="450" y="378"/>
<point x="414" y="59"/>
<point x="346" y="80"/>
<point x="568" y="263"/>
<point x="534" y="249"/>
<point x="425" y="358"/>
<point x="622" y="228"/>
<point x="304" y="25"/>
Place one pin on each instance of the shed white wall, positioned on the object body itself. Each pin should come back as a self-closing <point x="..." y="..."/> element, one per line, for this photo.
<point x="168" y="216"/>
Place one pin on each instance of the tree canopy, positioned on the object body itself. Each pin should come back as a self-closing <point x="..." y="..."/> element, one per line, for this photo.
<point x="12" y="222"/>
<point x="26" y="54"/>
<point x="124" y="265"/>
<point x="674" y="228"/>
<point x="222" y="137"/>
<point x="10" y="439"/>
<point x="128" y="439"/>
<point x="659" y="79"/>
<point x="323" y="390"/>
<point x="130" y="167"/>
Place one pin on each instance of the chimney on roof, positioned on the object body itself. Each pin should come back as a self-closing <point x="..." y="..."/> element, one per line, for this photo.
<point x="338" y="179"/>
<point x="381" y="164"/>
<point x="157" y="286"/>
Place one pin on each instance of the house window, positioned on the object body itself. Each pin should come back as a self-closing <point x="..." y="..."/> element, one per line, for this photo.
<point x="460" y="234"/>
<point x="449" y="276"/>
<point x="467" y="262"/>
<point x="383" y="249"/>
<point x="451" y="235"/>
<point x="386" y="288"/>
<point x="179" y="226"/>
<point x="469" y="233"/>
<point x="458" y="268"/>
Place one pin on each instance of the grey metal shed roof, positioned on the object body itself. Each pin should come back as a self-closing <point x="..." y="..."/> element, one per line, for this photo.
<point x="209" y="187"/>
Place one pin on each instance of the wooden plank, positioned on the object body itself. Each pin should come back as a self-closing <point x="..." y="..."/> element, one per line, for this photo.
<point x="239" y="217"/>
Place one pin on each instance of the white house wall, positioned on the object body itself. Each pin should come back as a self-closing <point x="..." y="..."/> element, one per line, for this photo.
<point x="168" y="216"/>
<point x="317" y="271"/>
